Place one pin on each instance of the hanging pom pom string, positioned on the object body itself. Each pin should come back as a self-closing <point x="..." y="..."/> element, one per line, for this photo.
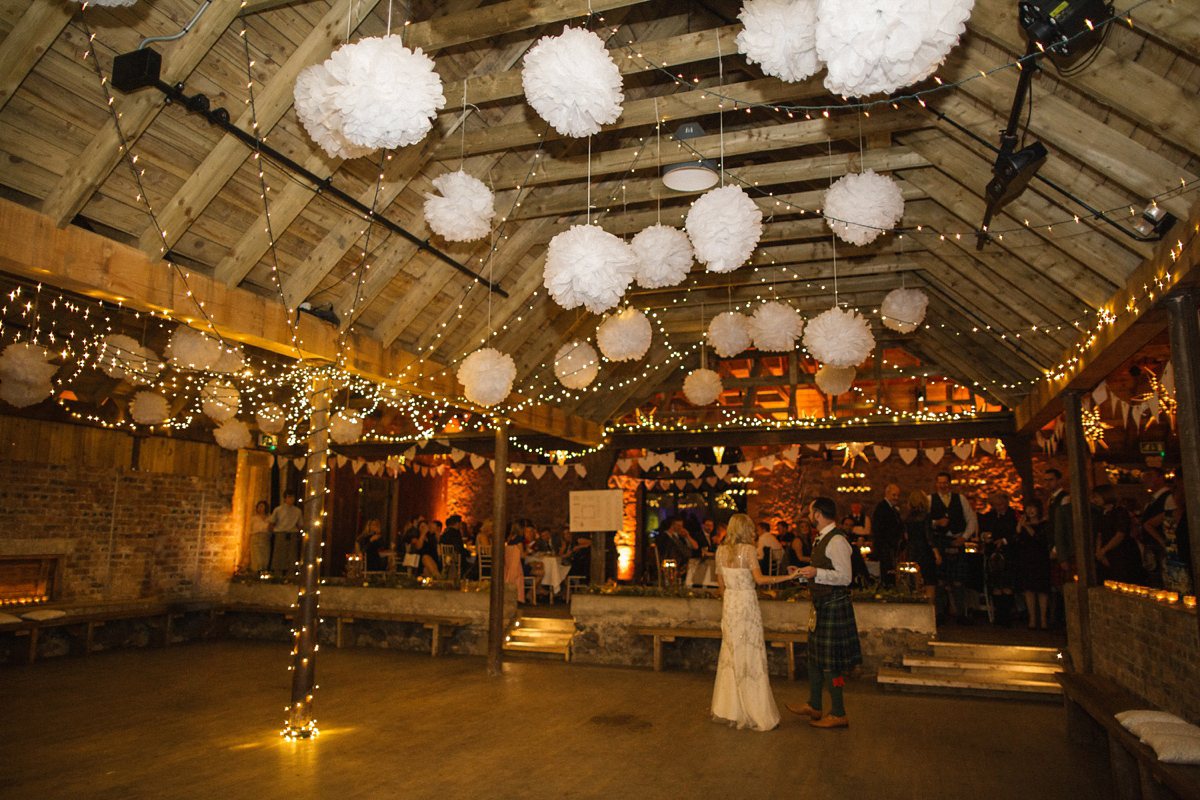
<point x="658" y="140"/>
<point x="589" y="182"/>
<point x="721" y="109"/>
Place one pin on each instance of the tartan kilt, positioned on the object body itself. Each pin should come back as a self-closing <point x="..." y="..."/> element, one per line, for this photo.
<point x="956" y="568"/>
<point x="833" y="645"/>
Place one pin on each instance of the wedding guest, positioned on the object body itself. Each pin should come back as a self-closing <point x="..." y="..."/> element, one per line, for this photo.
<point x="260" y="538"/>
<point x="998" y="528"/>
<point x="1031" y="569"/>
<point x="370" y="545"/>
<point x="284" y="524"/>
<point x="515" y="568"/>
<point x="425" y="546"/>
<point x="800" y="552"/>
<point x="921" y="548"/>
<point x="887" y="533"/>
<point x="770" y="551"/>
<point x="954" y="524"/>
<point x="1117" y="554"/>
<point x="579" y="553"/>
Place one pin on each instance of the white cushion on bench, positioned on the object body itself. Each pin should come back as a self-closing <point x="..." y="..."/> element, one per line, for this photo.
<point x="1130" y="718"/>
<point x="43" y="614"/>
<point x="1145" y="730"/>
<point x="1173" y="748"/>
<point x="8" y="619"/>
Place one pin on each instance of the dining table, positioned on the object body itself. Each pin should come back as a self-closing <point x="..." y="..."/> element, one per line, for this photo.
<point x="554" y="570"/>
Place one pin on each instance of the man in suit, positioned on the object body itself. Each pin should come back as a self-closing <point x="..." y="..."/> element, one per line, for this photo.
<point x="887" y="533"/>
<point x="675" y="544"/>
<point x="954" y="524"/>
<point x="452" y="535"/>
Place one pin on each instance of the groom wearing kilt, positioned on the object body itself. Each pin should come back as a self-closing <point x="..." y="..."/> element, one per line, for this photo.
<point x="833" y="646"/>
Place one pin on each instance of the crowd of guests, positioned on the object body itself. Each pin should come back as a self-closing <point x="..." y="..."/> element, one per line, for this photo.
<point x="1016" y="560"/>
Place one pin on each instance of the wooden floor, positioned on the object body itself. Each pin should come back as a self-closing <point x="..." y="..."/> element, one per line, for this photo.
<point x="202" y="721"/>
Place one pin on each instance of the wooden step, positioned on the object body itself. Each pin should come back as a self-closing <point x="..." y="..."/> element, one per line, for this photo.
<point x="936" y="663"/>
<point x="556" y="624"/>
<point x="550" y="635"/>
<point x="995" y="652"/>
<point x="974" y="684"/>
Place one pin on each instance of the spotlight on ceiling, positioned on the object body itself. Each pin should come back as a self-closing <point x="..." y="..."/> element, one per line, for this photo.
<point x="690" y="176"/>
<point x="1154" y="222"/>
<point x="1063" y="29"/>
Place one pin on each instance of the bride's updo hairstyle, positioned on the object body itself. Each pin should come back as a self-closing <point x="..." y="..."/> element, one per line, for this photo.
<point x="740" y="530"/>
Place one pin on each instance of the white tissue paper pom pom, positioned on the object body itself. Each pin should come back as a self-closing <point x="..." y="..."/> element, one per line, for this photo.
<point x="25" y="373"/>
<point x="219" y="400"/>
<point x="188" y="348"/>
<point x="729" y="333"/>
<point x="121" y="357"/>
<point x="871" y="46"/>
<point x="624" y="336"/>
<point x="270" y="418"/>
<point x="386" y="95"/>
<point x="702" y="386"/>
<point x="664" y="256"/>
<point x="314" y="109"/>
<point x="841" y="338"/>
<point x="487" y="376"/>
<point x="904" y="309"/>
<point x="231" y="360"/>
<point x="724" y="225"/>
<point x="149" y="408"/>
<point x="233" y="434"/>
<point x="860" y="207"/>
<point x="109" y="3"/>
<point x="346" y="427"/>
<point x="835" y="380"/>
<point x="587" y="266"/>
<point x="463" y="211"/>
<point x="780" y="36"/>
<point x="571" y="81"/>
<point x="775" y="327"/>
<point x="576" y="364"/>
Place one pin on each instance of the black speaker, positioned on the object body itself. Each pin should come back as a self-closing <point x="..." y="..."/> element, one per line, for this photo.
<point x="136" y="70"/>
<point x="1064" y="28"/>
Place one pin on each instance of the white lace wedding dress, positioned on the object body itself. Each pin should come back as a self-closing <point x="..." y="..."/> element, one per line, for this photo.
<point x="742" y="693"/>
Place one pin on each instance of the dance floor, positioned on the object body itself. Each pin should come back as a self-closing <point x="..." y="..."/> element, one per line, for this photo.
<point x="202" y="721"/>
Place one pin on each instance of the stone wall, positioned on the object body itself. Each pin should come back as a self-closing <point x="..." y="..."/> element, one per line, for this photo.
<point x="886" y="631"/>
<point x="1151" y="648"/>
<point x="122" y="533"/>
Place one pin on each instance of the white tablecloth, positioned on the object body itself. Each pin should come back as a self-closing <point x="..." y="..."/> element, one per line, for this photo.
<point x="554" y="570"/>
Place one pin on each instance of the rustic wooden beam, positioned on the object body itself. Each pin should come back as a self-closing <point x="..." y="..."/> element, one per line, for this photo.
<point x="86" y="172"/>
<point x="25" y="43"/>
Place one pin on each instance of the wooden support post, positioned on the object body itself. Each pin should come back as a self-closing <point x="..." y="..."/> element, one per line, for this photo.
<point x="1184" y="328"/>
<point x="495" y="649"/>
<point x="1081" y="517"/>
<point x="1020" y="452"/>
<point x="300" y="718"/>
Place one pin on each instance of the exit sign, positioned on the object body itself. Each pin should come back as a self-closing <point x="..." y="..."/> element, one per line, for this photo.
<point x="1152" y="448"/>
<point x="267" y="440"/>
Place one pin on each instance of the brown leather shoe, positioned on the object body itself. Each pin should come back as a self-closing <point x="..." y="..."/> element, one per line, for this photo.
<point x="831" y="722"/>
<point x="805" y="710"/>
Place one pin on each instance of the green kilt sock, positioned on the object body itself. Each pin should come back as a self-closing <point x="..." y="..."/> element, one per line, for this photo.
<point x="815" y="679"/>
<point x="837" y="708"/>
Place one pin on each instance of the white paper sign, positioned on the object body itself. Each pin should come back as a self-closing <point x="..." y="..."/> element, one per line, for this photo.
<point x="600" y="510"/>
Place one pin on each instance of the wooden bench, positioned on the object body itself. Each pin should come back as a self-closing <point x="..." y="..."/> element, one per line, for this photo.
<point x="785" y="639"/>
<point x="1092" y="701"/>
<point x="96" y="619"/>
<point x="441" y="627"/>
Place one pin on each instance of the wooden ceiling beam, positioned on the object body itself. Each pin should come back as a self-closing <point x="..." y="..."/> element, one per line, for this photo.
<point x="25" y="43"/>
<point x="1176" y="24"/>
<point x="645" y="190"/>
<point x="80" y="261"/>
<point x="83" y="176"/>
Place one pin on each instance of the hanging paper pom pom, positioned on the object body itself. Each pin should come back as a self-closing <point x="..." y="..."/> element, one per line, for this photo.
<point x="314" y="109"/>
<point x="841" y="338"/>
<point x="346" y="427"/>
<point x="270" y="418"/>
<point x="729" y="334"/>
<point x="487" y="376"/>
<point x="571" y="81"/>
<point x="904" y="309"/>
<point x="233" y="434"/>
<point x="25" y="373"/>
<point x="775" y="327"/>
<point x="835" y="380"/>
<point x="121" y="357"/>
<point x="860" y="207"/>
<point x="780" y="36"/>
<point x="386" y="95"/>
<point x="191" y="349"/>
<point x="724" y="226"/>
<point x="872" y="46"/>
<point x="219" y="400"/>
<point x="149" y="408"/>
<point x="576" y="364"/>
<point x="464" y="210"/>
<point x="664" y="256"/>
<point x="624" y="336"/>
<point x="587" y="266"/>
<point x="109" y="3"/>
<point x="232" y="360"/>
<point x="702" y="386"/>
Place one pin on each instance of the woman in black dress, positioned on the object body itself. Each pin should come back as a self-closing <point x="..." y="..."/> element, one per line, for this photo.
<point x="920" y="547"/>
<point x="1031" y="557"/>
<point x="1117" y="554"/>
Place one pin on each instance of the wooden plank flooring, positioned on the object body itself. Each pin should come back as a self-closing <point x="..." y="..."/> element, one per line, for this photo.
<point x="202" y="721"/>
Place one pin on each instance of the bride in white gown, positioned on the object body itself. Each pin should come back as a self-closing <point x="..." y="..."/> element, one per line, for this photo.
<point x="742" y="694"/>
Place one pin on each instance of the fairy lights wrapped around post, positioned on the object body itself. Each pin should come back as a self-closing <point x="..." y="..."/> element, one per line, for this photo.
<point x="301" y="724"/>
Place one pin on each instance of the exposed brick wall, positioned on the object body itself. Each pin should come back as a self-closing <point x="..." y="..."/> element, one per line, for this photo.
<point x="1152" y="649"/>
<point x="125" y="534"/>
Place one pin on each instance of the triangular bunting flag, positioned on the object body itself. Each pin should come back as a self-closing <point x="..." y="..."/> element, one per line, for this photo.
<point x="767" y="463"/>
<point x="477" y="461"/>
<point x="791" y="453"/>
<point x="492" y="465"/>
<point x="721" y="470"/>
<point x="422" y="443"/>
<point x="538" y="470"/>
<point x="358" y="465"/>
<point x="298" y="463"/>
<point x="963" y="451"/>
<point x="696" y="469"/>
<point x="1100" y="393"/>
<point x="881" y="452"/>
<point x="443" y="442"/>
<point x="623" y="464"/>
<point x="560" y="471"/>
<point x="409" y="453"/>
<point x="680" y="483"/>
<point x="341" y="461"/>
<point x="1168" y="379"/>
<point x="814" y="447"/>
<point x="647" y="461"/>
<point x="710" y="480"/>
<point x="907" y="454"/>
<point x="694" y="483"/>
<point x="516" y="469"/>
<point x="457" y="454"/>
<point x="988" y="445"/>
<point x="375" y="467"/>
<point x="1155" y="407"/>
<point x="581" y="470"/>
<point x="744" y="467"/>
<point x="935" y="454"/>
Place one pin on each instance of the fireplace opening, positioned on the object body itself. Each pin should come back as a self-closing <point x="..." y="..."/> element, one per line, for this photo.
<point x="28" y="580"/>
